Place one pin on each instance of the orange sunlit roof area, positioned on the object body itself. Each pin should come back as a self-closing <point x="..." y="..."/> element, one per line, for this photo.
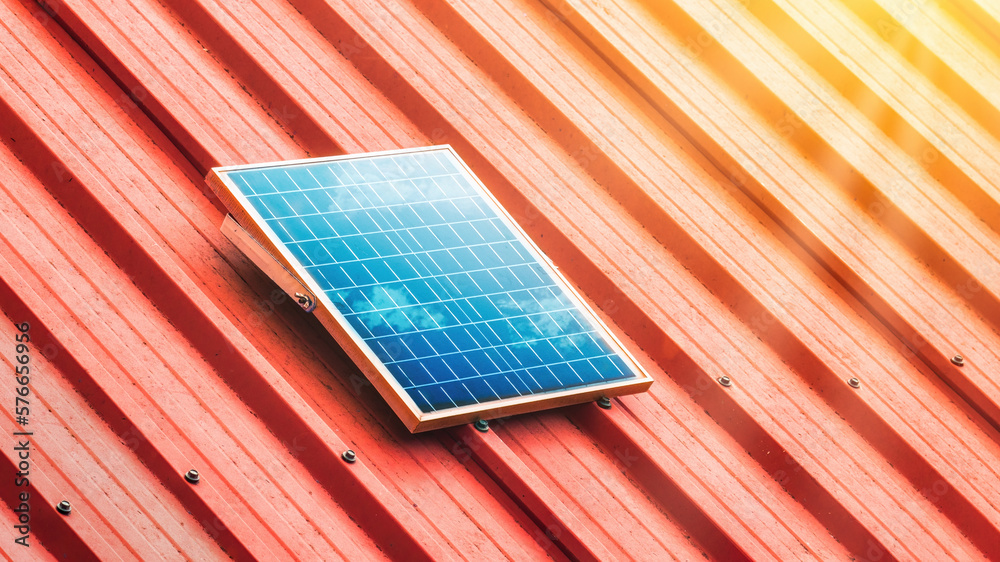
<point x="786" y="213"/>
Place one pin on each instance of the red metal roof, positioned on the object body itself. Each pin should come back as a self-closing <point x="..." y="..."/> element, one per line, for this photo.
<point x="790" y="194"/>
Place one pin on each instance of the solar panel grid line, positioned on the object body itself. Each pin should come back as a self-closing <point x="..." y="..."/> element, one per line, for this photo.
<point x="431" y="286"/>
<point x="352" y="309"/>
<point x="354" y="253"/>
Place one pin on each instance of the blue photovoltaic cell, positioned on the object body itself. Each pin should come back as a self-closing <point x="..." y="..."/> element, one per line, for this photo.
<point x="433" y="279"/>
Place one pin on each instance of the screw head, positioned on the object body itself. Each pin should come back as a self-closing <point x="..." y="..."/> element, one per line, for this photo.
<point x="855" y="382"/>
<point x="604" y="402"/>
<point x="349" y="456"/>
<point x="192" y="476"/>
<point x="304" y="300"/>
<point x="958" y="360"/>
<point x="482" y="425"/>
<point x="64" y="507"/>
<point x="725" y="381"/>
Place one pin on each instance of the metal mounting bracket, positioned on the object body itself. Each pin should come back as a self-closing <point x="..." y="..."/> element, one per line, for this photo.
<point x="268" y="264"/>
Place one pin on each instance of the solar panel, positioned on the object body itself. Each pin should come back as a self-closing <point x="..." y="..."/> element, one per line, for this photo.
<point x="430" y="286"/>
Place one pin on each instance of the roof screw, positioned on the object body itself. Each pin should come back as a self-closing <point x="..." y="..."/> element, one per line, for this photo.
<point x="855" y="382"/>
<point x="349" y="456"/>
<point x="604" y="402"/>
<point x="958" y="360"/>
<point x="725" y="381"/>
<point x="304" y="300"/>
<point x="482" y="425"/>
<point x="192" y="476"/>
<point x="64" y="507"/>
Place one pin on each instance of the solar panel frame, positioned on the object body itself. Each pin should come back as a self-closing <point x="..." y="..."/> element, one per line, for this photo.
<point x="365" y="357"/>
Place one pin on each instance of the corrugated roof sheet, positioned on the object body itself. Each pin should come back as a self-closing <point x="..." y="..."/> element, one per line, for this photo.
<point x="789" y="194"/>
